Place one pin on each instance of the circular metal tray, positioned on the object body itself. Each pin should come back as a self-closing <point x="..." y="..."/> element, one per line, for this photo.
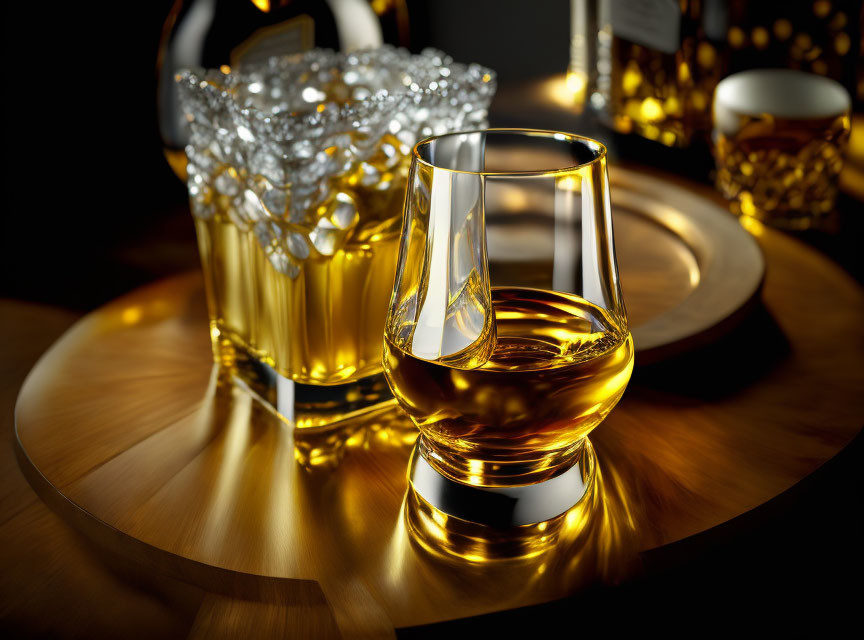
<point x="689" y="271"/>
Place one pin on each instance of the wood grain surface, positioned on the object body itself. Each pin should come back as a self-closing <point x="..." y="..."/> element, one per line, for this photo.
<point x="54" y="582"/>
<point x="127" y="433"/>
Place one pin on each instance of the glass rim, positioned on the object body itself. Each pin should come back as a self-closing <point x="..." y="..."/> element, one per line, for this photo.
<point x="595" y="145"/>
<point x="783" y="93"/>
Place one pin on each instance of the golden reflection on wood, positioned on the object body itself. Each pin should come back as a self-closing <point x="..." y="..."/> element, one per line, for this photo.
<point x="125" y="431"/>
<point x="222" y="617"/>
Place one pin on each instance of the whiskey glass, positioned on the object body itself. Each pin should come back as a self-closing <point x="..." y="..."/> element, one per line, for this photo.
<point x="779" y="140"/>
<point x="506" y="340"/>
<point x="297" y="167"/>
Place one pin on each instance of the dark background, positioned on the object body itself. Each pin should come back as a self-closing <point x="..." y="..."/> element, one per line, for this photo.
<point x="92" y="210"/>
<point x="95" y="209"/>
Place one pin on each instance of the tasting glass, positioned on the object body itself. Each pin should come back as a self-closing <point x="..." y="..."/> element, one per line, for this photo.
<point x="779" y="139"/>
<point x="506" y="340"/>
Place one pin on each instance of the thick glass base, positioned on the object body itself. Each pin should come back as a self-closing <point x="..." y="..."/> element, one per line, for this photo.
<point x="302" y="405"/>
<point x="489" y="466"/>
<point x="482" y="523"/>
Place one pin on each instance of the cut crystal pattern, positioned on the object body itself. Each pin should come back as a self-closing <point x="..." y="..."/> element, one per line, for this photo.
<point x="271" y="142"/>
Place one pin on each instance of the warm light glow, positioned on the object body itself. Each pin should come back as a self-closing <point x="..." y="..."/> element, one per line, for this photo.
<point x="672" y="106"/>
<point x="695" y="274"/>
<point x="668" y="138"/>
<point x="842" y="43"/>
<point x="131" y="315"/>
<point x="559" y="90"/>
<point x="571" y="182"/>
<point x="706" y="55"/>
<point x="631" y="79"/>
<point x="652" y="110"/>
<point x="736" y="37"/>
<point x="576" y="82"/>
<point x="577" y="85"/>
<point x="754" y="226"/>
<point x="852" y="175"/>
<point x="460" y="382"/>
<point x="684" y="75"/>
<point x="222" y="500"/>
<point x="475" y="471"/>
<point x="821" y="8"/>
<point x="782" y="29"/>
<point x="745" y="201"/>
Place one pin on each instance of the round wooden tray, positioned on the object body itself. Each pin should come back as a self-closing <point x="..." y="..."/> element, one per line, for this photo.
<point x="124" y="430"/>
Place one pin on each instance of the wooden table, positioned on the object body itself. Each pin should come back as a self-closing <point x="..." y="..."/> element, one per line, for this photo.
<point x="51" y="575"/>
<point x="193" y="483"/>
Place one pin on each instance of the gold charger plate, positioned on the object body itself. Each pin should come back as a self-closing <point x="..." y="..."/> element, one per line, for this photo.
<point x="688" y="270"/>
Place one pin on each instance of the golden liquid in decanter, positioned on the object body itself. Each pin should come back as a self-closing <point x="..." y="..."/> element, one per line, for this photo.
<point x="323" y="326"/>
<point x="559" y="365"/>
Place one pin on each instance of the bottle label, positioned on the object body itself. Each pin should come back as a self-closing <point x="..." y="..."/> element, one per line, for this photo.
<point x="655" y="24"/>
<point x="291" y="36"/>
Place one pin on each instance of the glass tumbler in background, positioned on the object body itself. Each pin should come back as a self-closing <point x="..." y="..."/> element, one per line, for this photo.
<point x="779" y="139"/>
<point x="507" y="339"/>
<point x="651" y="67"/>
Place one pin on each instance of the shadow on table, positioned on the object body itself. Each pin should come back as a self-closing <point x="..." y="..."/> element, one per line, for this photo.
<point x="748" y="353"/>
<point x="741" y="579"/>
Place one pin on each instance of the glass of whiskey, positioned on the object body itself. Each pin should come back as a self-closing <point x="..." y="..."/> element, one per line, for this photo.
<point x="506" y="341"/>
<point x="779" y="140"/>
<point x="297" y="168"/>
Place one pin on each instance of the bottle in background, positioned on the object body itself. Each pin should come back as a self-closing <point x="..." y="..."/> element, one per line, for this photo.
<point x="651" y="67"/>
